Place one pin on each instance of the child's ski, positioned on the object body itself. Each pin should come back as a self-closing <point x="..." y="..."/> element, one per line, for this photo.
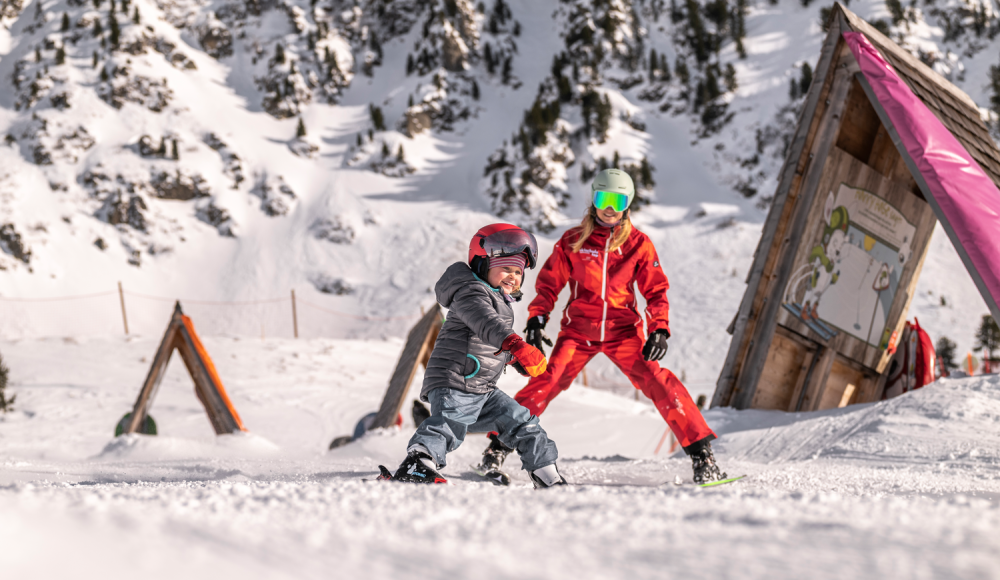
<point x="494" y="476"/>
<point x="677" y="481"/>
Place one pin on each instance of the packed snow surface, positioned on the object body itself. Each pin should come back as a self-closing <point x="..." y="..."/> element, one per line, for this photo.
<point x="906" y="488"/>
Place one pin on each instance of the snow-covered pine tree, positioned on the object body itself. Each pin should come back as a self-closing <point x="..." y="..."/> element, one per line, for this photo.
<point x="115" y="32"/>
<point x="988" y="336"/>
<point x="378" y="119"/>
<point x="6" y="405"/>
<point x="807" y="78"/>
<point x="945" y="351"/>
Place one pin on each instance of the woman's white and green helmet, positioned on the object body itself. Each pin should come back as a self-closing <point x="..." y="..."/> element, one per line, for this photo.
<point x="614" y="188"/>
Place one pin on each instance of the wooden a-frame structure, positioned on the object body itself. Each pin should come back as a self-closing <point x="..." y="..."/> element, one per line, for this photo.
<point x="816" y="326"/>
<point x="180" y="335"/>
<point x="416" y="351"/>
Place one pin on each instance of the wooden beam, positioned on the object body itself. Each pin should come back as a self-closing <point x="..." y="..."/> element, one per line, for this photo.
<point x="789" y="182"/>
<point x="817" y="380"/>
<point x="750" y="372"/>
<point x="207" y="383"/>
<point x="419" y="343"/>
<point x="153" y="378"/>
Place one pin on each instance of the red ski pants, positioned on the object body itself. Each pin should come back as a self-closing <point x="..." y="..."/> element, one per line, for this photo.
<point x="662" y="387"/>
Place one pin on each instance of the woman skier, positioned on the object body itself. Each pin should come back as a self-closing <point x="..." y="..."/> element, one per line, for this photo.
<point x="600" y="261"/>
<point x="473" y="348"/>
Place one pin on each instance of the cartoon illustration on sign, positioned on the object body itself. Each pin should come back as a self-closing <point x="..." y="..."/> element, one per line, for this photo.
<point x="851" y="273"/>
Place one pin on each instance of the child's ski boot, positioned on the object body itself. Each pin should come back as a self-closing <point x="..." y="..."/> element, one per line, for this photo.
<point x="418" y="467"/>
<point x="705" y="469"/>
<point x="490" y="466"/>
<point x="547" y="476"/>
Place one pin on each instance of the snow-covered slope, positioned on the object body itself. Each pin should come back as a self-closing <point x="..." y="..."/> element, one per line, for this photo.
<point x="907" y="488"/>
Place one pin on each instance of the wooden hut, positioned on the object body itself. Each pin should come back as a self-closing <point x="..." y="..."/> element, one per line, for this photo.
<point x="847" y="234"/>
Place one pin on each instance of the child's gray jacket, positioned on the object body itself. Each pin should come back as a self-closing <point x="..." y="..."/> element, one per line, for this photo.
<point x="479" y="319"/>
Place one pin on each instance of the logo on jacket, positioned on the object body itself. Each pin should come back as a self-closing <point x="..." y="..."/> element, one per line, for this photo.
<point x="656" y="264"/>
<point x="590" y="251"/>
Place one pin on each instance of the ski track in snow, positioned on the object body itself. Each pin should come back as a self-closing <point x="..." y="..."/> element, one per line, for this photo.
<point x="906" y="488"/>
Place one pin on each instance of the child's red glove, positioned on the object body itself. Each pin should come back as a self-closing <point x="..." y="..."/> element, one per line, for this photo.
<point x="528" y="356"/>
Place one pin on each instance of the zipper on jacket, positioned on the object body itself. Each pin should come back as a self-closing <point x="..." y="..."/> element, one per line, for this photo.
<point x="576" y="290"/>
<point x="604" y="287"/>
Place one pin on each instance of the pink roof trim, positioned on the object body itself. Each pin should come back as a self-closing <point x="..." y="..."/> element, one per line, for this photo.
<point x="964" y="198"/>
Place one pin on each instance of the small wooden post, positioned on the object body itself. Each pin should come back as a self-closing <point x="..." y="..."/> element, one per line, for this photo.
<point x="584" y="374"/>
<point x="121" y="298"/>
<point x="295" y="316"/>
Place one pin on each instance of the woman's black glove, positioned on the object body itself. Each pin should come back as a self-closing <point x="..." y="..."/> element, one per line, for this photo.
<point x="534" y="335"/>
<point x="656" y="345"/>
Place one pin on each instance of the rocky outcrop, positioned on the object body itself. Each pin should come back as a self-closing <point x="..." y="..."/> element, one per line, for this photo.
<point x="45" y="149"/>
<point x="124" y="87"/>
<point x="180" y="185"/>
<point x="11" y="243"/>
<point x="334" y="230"/>
<point x="124" y="208"/>
<point x="329" y="285"/>
<point x="214" y="36"/>
<point x="232" y="165"/>
<point x="276" y="197"/>
<point x="138" y="42"/>
<point x="219" y="218"/>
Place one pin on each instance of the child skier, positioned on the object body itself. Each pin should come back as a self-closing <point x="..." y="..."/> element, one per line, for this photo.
<point x="473" y="348"/>
<point x="602" y="260"/>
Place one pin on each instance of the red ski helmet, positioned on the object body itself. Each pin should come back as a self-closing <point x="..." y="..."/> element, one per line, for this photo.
<point x="497" y="240"/>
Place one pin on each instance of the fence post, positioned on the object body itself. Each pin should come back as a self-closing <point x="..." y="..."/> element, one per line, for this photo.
<point x="295" y="316"/>
<point x="121" y="297"/>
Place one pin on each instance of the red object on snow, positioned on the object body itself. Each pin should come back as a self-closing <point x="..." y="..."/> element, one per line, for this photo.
<point x="912" y="366"/>
<point x="924" y="371"/>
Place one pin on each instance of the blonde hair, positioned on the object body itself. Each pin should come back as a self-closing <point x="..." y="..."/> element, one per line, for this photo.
<point x="621" y="230"/>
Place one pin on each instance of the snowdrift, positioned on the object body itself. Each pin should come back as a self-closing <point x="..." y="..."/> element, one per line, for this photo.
<point x="950" y="421"/>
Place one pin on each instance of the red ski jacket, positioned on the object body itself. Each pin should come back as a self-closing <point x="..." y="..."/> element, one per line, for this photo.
<point x="602" y="304"/>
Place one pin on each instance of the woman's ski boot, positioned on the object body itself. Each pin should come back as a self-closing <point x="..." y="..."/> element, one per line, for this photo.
<point x="705" y="469"/>
<point x="490" y="466"/>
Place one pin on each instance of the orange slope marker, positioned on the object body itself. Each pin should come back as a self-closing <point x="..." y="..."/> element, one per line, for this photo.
<point x="181" y="336"/>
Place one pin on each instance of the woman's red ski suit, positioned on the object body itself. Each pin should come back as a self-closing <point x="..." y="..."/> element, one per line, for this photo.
<point x="602" y="316"/>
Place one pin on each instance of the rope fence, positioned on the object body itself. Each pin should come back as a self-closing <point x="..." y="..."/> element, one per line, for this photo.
<point x="115" y="311"/>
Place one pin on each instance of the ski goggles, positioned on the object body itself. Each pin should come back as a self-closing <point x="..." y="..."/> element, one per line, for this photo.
<point x="510" y="243"/>
<point x="613" y="199"/>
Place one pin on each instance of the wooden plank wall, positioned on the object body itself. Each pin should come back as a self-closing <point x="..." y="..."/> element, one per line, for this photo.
<point x="800" y="370"/>
<point x="774" y="231"/>
<point x="749" y="371"/>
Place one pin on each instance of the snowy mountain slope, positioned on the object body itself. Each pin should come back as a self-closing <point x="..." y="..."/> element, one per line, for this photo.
<point x="905" y="488"/>
<point x="256" y="211"/>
